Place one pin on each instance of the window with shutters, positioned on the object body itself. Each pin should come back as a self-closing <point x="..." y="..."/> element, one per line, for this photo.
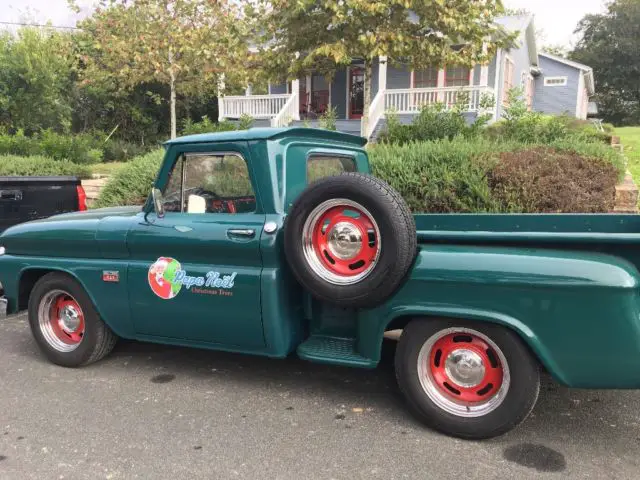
<point x="508" y="80"/>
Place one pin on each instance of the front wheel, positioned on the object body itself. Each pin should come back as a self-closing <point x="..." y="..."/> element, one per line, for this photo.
<point x="65" y="324"/>
<point x="467" y="380"/>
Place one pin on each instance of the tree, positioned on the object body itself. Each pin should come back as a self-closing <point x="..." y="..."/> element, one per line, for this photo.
<point x="321" y="35"/>
<point x="610" y="44"/>
<point x="186" y="45"/>
<point x="35" y="81"/>
<point x="558" y="50"/>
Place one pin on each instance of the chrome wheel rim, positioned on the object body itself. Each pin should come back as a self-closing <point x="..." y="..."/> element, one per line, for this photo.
<point x="61" y="321"/>
<point x="463" y="372"/>
<point x="341" y="241"/>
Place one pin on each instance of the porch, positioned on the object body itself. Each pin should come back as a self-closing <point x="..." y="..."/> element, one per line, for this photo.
<point x="399" y="90"/>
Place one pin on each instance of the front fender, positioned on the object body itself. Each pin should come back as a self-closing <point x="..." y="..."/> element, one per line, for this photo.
<point x="110" y="299"/>
<point x="579" y="312"/>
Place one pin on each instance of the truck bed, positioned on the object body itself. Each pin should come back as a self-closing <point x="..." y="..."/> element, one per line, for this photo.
<point x="531" y="229"/>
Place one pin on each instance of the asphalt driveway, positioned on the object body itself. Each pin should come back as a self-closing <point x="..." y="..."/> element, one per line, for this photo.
<point x="158" y="412"/>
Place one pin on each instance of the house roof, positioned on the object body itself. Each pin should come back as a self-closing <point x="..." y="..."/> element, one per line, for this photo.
<point x="586" y="70"/>
<point x="269" y="134"/>
<point x="524" y="24"/>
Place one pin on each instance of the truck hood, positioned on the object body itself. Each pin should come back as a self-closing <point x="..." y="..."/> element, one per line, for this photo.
<point x="69" y="234"/>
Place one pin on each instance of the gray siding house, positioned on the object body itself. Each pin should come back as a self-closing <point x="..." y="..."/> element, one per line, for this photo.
<point x="564" y="87"/>
<point x="550" y="84"/>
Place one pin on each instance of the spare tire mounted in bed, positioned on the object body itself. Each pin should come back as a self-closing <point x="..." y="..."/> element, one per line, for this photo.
<point x="350" y="240"/>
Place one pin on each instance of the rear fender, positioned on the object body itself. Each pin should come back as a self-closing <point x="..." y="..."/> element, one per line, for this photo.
<point x="562" y="303"/>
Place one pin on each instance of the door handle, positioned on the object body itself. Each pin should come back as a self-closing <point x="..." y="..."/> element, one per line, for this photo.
<point x="241" y="232"/>
<point x="11" y="195"/>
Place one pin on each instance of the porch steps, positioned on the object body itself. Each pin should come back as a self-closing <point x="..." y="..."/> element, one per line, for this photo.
<point x="334" y="351"/>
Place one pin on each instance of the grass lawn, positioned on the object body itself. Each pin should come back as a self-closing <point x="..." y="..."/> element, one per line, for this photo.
<point x="107" y="168"/>
<point x="630" y="139"/>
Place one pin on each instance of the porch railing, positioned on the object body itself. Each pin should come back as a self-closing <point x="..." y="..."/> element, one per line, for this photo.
<point x="290" y="111"/>
<point x="257" y="106"/>
<point x="410" y="100"/>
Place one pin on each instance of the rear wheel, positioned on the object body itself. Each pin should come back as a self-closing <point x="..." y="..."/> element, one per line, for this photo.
<point x="467" y="380"/>
<point x="65" y="324"/>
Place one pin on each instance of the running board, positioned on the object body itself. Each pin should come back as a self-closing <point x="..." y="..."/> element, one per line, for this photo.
<point x="334" y="351"/>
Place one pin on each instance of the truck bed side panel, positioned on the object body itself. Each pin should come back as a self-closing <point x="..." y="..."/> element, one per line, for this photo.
<point x="578" y="311"/>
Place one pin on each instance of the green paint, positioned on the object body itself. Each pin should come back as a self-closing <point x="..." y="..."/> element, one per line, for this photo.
<point x="567" y="284"/>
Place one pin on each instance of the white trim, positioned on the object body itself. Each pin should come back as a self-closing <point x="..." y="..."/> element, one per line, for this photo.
<point x="484" y="68"/>
<point x="566" y="61"/>
<point x="329" y="83"/>
<point x="557" y="81"/>
<point x="347" y="84"/>
<point x="442" y="78"/>
<point x="496" y="83"/>
<point x="579" y="96"/>
<point x="382" y="73"/>
<point x="412" y="75"/>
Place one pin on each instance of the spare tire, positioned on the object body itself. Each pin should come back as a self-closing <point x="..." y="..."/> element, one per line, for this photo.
<point x="350" y="240"/>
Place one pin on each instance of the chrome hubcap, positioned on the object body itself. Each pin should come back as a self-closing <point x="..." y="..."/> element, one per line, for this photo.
<point x="345" y="240"/>
<point x="465" y="367"/>
<point x="69" y="319"/>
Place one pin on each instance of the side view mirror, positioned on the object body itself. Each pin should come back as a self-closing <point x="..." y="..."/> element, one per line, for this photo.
<point x="158" y="204"/>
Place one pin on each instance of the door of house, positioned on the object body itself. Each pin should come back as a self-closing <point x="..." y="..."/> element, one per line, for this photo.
<point x="356" y="92"/>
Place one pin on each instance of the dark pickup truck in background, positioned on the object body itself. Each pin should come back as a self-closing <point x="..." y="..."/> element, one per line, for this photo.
<point x="30" y="198"/>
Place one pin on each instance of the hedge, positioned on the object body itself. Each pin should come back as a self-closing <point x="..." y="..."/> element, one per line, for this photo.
<point x="13" y="165"/>
<point x="132" y="183"/>
<point x="459" y="175"/>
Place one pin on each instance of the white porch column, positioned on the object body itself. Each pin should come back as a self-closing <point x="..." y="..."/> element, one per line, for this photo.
<point x="484" y="69"/>
<point x="220" y="97"/>
<point x="382" y="73"/>
<point x="295" y="92"/>
<point x="497" y="86"/>
<point x="442" y="81"/>
<point x="247" y="91"/>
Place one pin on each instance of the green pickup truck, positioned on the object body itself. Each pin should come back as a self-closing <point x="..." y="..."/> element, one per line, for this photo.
<point x="274" y="241"/>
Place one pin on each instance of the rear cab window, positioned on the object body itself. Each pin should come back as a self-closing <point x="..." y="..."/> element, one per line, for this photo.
<point x="320" y="165"/>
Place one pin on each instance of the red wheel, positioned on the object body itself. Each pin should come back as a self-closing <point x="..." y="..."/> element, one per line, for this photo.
<point x="467" y="379"/>
<point x="61" y="321"/>
<point x="341" y="241"/>
<point x="463" y="372"/>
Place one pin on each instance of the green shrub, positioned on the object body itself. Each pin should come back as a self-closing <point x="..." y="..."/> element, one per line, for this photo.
<point x="548" y="180"/>
<point x="82" y="148"/>
<point x="207" y="126"/>
<point x="13" y="165"/>
<point x="435" y="122"/>
<point x="479" y="175"/>
<point x="132" y="183"/>
<point x="116" y="150"/>
<point x="441" y="176"/>
<point x="245" y="122"/>
<point x="18" y="144"/>
<point x="328" y="118"/>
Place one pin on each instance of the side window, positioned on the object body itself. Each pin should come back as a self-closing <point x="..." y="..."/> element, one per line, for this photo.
<point x="319" y="166"/>
<point x="210" y="183"/>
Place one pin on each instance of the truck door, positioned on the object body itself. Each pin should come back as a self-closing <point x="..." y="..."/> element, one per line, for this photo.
<point x="195" y="273"/>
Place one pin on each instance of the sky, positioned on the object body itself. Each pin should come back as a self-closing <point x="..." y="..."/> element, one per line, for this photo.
<point x="557" y="18"/>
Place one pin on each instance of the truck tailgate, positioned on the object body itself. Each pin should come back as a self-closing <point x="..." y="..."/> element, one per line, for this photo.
<point x="30" y="198"/>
